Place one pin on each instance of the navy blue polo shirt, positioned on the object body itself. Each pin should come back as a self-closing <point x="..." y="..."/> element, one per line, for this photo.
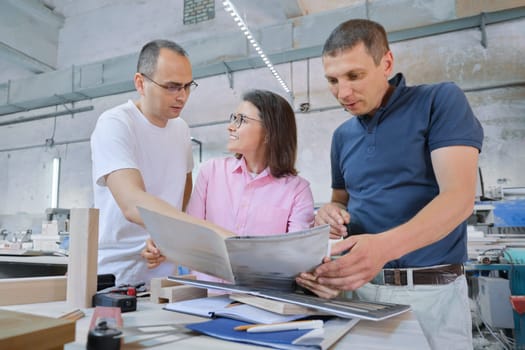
<point x="384" y="163"/>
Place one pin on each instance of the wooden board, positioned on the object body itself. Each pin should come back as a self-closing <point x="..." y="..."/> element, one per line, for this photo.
<point x="276" y="306"/>
<point x="81" y="282"/>
<point x="83" y="253"/>
<point x="32" y="290"/>
<point x="25" y="331"/>
<point x="164" y="291"/>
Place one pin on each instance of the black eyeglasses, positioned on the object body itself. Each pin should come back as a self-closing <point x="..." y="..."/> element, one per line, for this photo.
<point x="174" y="87"/>
<point x="237" y="119"/>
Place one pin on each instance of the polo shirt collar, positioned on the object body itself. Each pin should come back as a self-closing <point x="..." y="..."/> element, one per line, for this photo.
<point x="398" y="81"/>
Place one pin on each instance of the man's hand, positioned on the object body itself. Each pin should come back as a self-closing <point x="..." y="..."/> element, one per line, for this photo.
<point x="366" y="257"/>
<point x="152" y="254"/>
<point x="336" y="216"/>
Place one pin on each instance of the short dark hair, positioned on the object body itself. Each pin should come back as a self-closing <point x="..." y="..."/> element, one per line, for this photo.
<point x="350" y="33"/>
<point x="149" y="54"/>
<point x="278" y="119"/>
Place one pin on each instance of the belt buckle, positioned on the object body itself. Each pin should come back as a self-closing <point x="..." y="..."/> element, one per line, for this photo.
<point x="380" y="278"/>
<point x="396" y="277"/>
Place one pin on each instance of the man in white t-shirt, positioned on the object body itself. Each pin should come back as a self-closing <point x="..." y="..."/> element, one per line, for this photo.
<point x="142" y="156"/>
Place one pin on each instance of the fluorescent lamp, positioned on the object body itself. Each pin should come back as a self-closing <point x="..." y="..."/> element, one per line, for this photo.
<point x="228" y="7"/>
<point x="54" y="182"/>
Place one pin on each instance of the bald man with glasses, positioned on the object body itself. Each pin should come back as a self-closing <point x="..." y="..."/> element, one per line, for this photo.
<point x="142" y="156"/>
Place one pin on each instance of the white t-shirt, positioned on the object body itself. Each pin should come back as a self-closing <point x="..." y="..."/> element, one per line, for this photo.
<point x="124" y="139"/>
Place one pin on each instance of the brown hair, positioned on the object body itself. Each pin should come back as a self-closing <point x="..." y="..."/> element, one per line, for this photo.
<point x="350" y="33"/>
<point x="278" y="119"/>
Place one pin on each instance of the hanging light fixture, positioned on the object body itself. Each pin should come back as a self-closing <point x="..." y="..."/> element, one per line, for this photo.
<point x="55" y="182"/>
<point x="228" y="7"/>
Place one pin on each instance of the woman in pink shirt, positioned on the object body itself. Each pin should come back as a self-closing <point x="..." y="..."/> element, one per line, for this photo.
<point x="257" y="191"/>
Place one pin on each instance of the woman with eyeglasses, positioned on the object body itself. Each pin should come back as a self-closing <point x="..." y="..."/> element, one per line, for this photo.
<point x="257" y="191"/>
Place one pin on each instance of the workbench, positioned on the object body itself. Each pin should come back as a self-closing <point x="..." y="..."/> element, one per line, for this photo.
<point x="400" y="332"/>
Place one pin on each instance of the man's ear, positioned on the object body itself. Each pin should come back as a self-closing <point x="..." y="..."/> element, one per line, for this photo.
<point x="138" y="79"/>
<point x="388" y="63"/>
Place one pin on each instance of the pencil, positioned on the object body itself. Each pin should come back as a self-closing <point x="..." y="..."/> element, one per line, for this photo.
<point x="283" y="326"/>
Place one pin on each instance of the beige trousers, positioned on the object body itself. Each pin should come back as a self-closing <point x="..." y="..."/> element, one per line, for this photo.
<point x="443" y="311"/>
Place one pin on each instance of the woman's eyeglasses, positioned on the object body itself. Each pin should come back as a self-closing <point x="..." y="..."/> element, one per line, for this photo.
<point x="237" y="119"/>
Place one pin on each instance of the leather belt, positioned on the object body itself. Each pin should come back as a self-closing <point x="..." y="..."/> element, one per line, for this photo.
<point x="442" y="274"/>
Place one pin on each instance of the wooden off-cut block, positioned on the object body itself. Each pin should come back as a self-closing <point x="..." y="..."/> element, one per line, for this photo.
<point x="83" y="254"/>
<point x="31" y="290"/>
<point x="163" y="290"/>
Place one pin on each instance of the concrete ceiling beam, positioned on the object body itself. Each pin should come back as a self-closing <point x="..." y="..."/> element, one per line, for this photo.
<point x="29" y="35"/>
<point x="293" y="40"/>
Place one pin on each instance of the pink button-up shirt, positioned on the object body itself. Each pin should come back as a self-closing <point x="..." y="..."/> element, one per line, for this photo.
<point x="226" y="194"/>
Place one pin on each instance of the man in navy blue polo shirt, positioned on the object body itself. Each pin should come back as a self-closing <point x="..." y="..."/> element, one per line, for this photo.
<point x="403" y="184"/>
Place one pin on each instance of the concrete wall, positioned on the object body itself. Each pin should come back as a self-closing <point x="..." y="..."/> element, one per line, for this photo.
<point x="25" y="163"/>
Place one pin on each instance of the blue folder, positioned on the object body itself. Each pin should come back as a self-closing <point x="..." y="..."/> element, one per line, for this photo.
<point x="223" y="328"/>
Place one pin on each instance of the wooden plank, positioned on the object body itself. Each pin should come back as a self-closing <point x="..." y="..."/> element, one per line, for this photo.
<point x="32" y="290"/>
<point x="163" y="290"/>
<point x="83" y="254"/>
<point x="25" y="331"/>
<point x="279" y="307"/>
<point x="81" y="282"/>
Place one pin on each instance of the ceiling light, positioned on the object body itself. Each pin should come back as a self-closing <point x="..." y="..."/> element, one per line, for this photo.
<point x="228" y="7"/>
<point x="55" y="182"/>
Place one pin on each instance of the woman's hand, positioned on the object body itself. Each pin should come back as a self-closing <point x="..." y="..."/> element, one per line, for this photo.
<point x="309" y="281"/>
<point x="336" y="216"/>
